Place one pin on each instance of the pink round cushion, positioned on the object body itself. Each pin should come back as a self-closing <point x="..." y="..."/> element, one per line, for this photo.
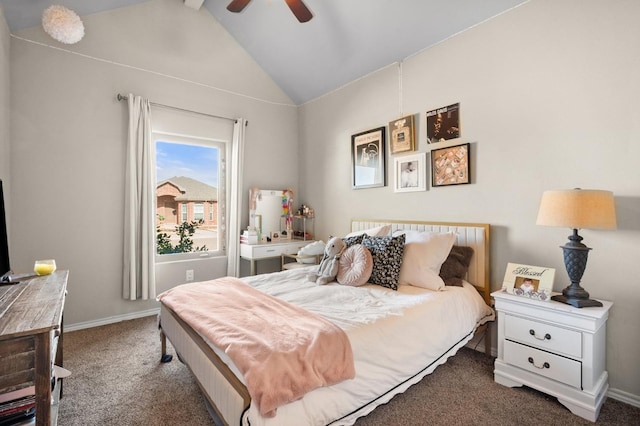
<point x="355" y="266"/>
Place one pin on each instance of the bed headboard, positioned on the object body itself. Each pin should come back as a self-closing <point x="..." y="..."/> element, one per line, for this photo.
<point x="475" y="235"/>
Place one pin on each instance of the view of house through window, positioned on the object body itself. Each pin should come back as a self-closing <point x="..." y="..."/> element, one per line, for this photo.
<point x="188" y="197"/>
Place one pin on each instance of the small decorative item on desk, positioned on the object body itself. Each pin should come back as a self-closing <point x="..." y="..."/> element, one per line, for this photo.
<point x="44" y="267"/>
<point x="534" y="282"/>
<point x="305" y="210"/>
<point x="249" y="236"/>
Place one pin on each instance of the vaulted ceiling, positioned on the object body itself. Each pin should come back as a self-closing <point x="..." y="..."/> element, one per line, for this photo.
<point x="345" y="39"/>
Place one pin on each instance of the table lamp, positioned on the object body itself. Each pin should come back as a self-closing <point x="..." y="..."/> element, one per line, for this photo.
<point x="577" y="209"/>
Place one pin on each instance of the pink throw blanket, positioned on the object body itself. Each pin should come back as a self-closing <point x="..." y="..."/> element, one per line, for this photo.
<point x="283" y="351"/>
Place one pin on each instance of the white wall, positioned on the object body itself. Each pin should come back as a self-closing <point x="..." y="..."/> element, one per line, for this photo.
<point x="4" y="105"/>
<point x="69" y="132"/>
<point x="549" y="99"/>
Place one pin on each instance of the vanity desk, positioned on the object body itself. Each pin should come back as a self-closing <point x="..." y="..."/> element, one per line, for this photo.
<point x="255" y="252"/>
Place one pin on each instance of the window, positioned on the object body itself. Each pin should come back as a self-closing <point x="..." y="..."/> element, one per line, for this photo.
<point x="189" y="176"/>
<point x="198" y="211"/>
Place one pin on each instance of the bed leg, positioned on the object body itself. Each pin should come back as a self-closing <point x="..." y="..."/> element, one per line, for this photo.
<point x="163" y="342"/>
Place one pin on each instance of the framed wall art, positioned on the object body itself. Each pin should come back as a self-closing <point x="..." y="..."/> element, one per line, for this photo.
<point x="443" y="123"/>
<point x="410" y="173"/>
<point x="402" y="135"/>
<point x="368" y="158"/>
<point x="534" y="282"/>
<point x="450" y="166"/>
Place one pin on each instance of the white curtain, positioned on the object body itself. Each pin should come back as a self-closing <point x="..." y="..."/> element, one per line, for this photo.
<point x="235" y="199"/>
<point x="139" y="235"/>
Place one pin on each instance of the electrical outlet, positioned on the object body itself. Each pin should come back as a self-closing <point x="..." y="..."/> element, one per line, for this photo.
<point x="189" y="274"/>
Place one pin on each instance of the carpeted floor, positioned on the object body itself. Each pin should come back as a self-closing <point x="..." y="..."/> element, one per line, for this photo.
<point x="117" y="379"/>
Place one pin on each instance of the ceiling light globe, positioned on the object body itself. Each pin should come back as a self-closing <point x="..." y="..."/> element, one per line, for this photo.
<point x="62" y="24"/>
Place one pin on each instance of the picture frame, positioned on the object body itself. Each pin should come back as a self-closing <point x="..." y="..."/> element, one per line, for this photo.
<point x="368" y="158"/>
<point x="443" y="123"/>
<point x="402" y="135"/>
<point x="451" y="165"/>
<point x="534" y="282"/>
<point x="410" y="173"/>
<point x="258" y="222"/>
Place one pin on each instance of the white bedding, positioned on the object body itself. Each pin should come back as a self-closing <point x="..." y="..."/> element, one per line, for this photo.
<point x="397" y="339"/>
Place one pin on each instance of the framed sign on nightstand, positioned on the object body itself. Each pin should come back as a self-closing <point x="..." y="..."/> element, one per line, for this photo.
<point x="534" y="282"/>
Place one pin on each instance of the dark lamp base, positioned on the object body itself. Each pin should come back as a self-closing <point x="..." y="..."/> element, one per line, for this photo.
<point x="576" y="302"/>
<point x="575" y="260"/>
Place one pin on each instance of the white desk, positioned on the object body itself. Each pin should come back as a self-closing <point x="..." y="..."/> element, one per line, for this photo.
<point x="255" y="252"/>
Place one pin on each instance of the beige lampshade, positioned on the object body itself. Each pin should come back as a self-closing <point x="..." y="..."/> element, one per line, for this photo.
<point x="578" y="209"/>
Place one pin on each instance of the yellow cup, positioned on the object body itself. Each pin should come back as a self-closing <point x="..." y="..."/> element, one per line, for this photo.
<point x="44" y="267"/>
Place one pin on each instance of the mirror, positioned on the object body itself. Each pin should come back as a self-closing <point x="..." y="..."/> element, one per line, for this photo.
<point x="268" y="203"/>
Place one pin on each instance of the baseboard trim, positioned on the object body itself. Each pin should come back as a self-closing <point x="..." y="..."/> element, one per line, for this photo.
<point x="111" y="320"/>
<point x="626" y="397"/>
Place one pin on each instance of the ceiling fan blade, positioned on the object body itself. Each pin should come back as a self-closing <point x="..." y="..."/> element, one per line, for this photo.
<point x="299" y="10"/>
<point x="237" y="5"/>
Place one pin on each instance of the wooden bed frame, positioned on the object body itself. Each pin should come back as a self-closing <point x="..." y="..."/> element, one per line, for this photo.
<point x="228" y="396"/>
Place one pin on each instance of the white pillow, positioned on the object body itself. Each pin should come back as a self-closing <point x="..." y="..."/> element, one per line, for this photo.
<point x="424" y="254"/>
<point x="315" y="248"/>
<point x="379" y="231"/>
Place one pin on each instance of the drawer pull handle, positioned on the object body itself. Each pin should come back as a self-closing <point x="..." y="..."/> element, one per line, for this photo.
<point x="546" y="336"/>
<point x="545" y="365"/>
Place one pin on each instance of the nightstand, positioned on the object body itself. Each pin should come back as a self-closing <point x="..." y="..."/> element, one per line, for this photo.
<point x="554" y="348"/>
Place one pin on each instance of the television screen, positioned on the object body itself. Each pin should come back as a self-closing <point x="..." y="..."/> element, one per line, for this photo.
<point x="5" y="268"/>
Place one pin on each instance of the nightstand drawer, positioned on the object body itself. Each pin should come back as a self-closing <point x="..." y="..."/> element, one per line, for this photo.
<point x="544" y="336"/>
<point x="539" y="362"/>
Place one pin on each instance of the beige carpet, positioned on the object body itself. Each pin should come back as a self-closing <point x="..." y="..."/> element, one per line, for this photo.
<point x="117" y="379"/>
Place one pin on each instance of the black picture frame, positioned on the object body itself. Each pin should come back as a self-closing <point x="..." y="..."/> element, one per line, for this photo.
<point x="368" y="158"/>
<point x="451" y="165"/>
<point x="443" y="123"/>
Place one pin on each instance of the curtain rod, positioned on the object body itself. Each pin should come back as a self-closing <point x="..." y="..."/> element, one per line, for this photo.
<point x="125" y="97"/>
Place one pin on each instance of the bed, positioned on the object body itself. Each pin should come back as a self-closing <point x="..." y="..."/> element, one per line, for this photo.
<point x="422" y="327"/>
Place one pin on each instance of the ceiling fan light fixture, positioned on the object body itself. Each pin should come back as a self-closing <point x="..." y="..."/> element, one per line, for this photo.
<point x="62" y="24"/>
<point x="299" y="9"/>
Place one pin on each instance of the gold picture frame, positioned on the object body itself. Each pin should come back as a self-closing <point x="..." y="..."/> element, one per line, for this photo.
<point x="402" y="134"/>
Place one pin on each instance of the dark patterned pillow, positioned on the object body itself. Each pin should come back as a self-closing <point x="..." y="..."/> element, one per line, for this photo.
<point x="456" y="266"/>
<point x="350" y="241"/>
<point x="387" y="257"/>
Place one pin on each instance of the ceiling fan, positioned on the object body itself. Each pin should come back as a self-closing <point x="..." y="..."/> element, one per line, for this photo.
<point x="297" y="7"/>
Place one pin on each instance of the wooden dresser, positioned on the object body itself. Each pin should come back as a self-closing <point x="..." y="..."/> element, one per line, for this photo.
<point x="31" y="338"/>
